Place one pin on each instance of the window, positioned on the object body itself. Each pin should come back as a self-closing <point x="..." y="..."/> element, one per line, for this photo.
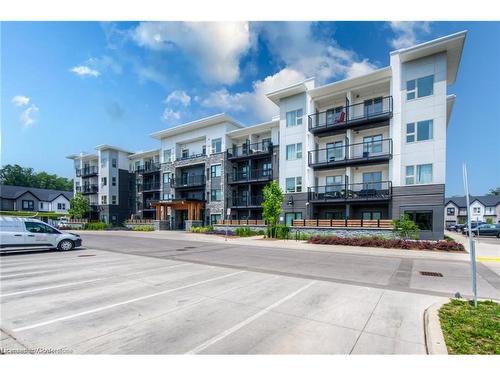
<point x="137" y="165"/>
<point x="28" y="205"/>
<point x="372" y="144"/>
<point x="290" y="216"/>
<point x="41" y="205"/>
<point x="372" y="180"/>
<point x="294" y="151"/>
<point x="104" y="162"/>
<point x="372" y="215"/>
<point x="334" y="151"/>
<point x="294" y="118"/>
<point x="34" y="227"/>
<point x="333" y="115"/>
<point x="450" y="211"/>
<point x="167" y="196"/>
<point x="113" y="181"/>
<point x="216" y="145"/>
<point x="423" y="174"/>
<point x="204" y="149"/>
<point x="104" y="199"/>
<point x="294" y="184"/>
<point x="104" y="181"/>
<point x="333" y="184"/>
<point x="167" y="156"/>
<point x="113" y="199"/>
<point x="216" y="170"/>
<point x="418" y="88"/>
<point x="185" y="153"/>
<point x="214" y="218"/>
<point x="476" y="210"/>
<point x="266" y="143"/>
<point x="373" y="106"/>
<point x="167" y="178"/>
<point x="61" y="206"/>
<point x="216" y="195"/>
<point x="421" y="132"/>
<point x="113" y="163"/>
<point x="423" y="219"/>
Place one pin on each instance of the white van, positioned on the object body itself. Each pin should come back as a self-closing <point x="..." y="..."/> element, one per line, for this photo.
<point x="18" y="233"/>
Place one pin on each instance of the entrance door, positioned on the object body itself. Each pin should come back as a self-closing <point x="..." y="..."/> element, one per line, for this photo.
<point x="180" y="219"/>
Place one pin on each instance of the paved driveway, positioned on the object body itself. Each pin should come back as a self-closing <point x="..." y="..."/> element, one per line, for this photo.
<point x="145" y="295"/>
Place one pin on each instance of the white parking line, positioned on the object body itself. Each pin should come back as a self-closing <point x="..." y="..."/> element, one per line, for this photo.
<point x="107" y="307"/>
<point x="51" y="287"/>
<point x="247" y="321"/>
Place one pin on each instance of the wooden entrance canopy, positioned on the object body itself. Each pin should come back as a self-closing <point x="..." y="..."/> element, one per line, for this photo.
<point x="193" y="208"/>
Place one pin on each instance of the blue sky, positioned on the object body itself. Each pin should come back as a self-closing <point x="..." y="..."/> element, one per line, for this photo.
<point x="69" y="86"/>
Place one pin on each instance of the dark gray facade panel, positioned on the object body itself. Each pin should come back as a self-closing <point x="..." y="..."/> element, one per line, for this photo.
<point x="296" y="202"/>
<point x="7" y="204"/>
<point x="27" y="197"/>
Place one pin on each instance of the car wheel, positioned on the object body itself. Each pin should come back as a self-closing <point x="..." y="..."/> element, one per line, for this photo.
<point x="498" y="235"/>
<point x="66" y="245"/>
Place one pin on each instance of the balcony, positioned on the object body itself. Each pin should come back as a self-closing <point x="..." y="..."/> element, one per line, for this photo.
<point x="369" y="191"/>
<point x="192" y="156"/>
<point x="247" y="202"/>
<point x="148" y="168"/>
<point x="364" y="153"/>
<point x="87" y="171"/>
<point x="88" y="189"/>
<point x="148" y="186"/>
<point x="255" y="175"/>
<point x="189" y="182"/>
<point x="360" y="115"/>
<point x="94" y="207"/>
<point x="250" y="150"/>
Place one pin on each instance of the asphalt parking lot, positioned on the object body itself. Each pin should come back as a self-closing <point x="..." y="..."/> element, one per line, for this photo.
<point x="177" y="297"/>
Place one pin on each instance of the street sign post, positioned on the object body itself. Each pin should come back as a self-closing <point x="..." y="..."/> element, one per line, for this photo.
<point x="228" y="215"/>
<point x="472" y="247"/>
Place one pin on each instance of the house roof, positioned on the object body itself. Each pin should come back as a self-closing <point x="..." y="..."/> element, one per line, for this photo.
<point x="486" y="200"/>
<point x="46" y="195"/>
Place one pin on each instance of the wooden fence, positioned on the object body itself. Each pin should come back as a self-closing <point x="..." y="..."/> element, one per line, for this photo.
<point x="77" y="221"/>
<point x="242" y="222"/>
<point x="347" y="223"/>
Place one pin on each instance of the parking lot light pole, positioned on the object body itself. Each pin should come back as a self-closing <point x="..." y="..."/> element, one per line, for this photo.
<point x="472" y="247"/>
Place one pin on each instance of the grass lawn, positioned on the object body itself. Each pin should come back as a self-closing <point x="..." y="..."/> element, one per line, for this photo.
<point x="469" y="330"/>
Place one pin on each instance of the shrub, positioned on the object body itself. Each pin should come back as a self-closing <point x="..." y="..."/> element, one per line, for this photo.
<point x="405" y="227"/>
<point x="143" y="228"/>
<point x="489" y="220"/>
<point x="387" y="243"/>
<point x="282" y="231"/>
<point x="206" y="229"/>
<point x="245" y="232"/>
<point x="96" y="225"/>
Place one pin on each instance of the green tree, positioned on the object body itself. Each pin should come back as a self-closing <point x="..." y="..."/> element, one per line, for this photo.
<point x="79" y="207"/>
<point x="494" y="191"/>
<point x="271" y="206"/>
<point x="19" y="176"/>
<point x="406" y="228"/>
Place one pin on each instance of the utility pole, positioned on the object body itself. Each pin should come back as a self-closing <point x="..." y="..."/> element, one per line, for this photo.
<point x="472" y="247"/>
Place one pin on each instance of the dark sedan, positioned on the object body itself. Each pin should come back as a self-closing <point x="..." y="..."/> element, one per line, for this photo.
<point x="485" y="230"/>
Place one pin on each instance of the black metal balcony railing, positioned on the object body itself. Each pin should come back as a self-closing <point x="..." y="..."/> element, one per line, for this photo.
<point x="148" y="168"/>
<point x="87" y="171"/>
<point x="94" y="207"/>
<point x="189" y="181"/>
<point x="375" y="110"/>
<point x="148" y="205"/>
<point x="192" y="156"/>
<point x="250" y="149"/>
<point x="356" y="153"/>
<point x="250" y="176"/>
<point x="149" y="186"/>
<point x="242" y="201"/>
<point x="379" y="190"/>
<point x="88" y="189"/>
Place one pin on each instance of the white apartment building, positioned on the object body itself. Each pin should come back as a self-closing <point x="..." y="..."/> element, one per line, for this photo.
<point x="369" y="147"/>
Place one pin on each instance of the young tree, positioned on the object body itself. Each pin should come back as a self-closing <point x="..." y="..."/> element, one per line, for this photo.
<point x="19" y="176"/>
<point x="271" y="206"/>
<point x="79" y="206"/>
<point x="406" y="228"/>
<point x="494" y="191"/>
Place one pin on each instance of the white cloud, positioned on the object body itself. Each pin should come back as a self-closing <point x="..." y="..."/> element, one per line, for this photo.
<point x="406" y="33"/>
<point x="359" y="68"/>
<point x="20" y="100"/>
<point x="170" y="115"/>
<point x="255" y="101"/>
<point x="28" y="115"/>
<point x="215" y="47"/>
<point x="178" y="96"/>
<point x="83" y="71"/>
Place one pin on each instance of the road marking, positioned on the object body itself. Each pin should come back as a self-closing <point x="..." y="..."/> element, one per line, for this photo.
<point x="107" y="307"/>
<point x="247" y="321"/>
<point x="23" y="274"/>
<point x="51" y="287"/>
<point x="487" y="259"/>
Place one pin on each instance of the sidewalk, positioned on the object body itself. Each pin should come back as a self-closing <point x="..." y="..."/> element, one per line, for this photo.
<point x="291" y="245"/>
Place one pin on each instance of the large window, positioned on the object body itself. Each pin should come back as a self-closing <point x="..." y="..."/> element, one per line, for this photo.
<point x="420" y="87"/>
<point x="418" y="174"/>
<point x="185" y="153"/>
<point x="333" y="183"/>
<point x="216" y="195"/>
<point x="334" y="151"/>
<point x="104" y="181"/>
<point x="372" y="215"/>
<point x="216" y="145"/>
<point x="167" y="156"/>
<point x="61" y="206"/>
<point x="114" y="163"/>
<point x="294" y="184"/>
<point x="294" y="118"/>
<point x="420" y="131"/>
<point x="422" y="218"/>
<point x="450" y="211"/>
<point x="476" y="210"/>
<point x="113" y="199"/>
<point x="214" y="218"/>
<point x="294" y="151"/>
<point x="333" y="115"/>
<point x="290" y="216"/>
<point x="104" y="199"/>
<point x="216" y="170"/>
<point x="28" y="205"/>
<point x="372" y="144"/>
<point x="372" y="180"/>
<point x="373" y="106"/>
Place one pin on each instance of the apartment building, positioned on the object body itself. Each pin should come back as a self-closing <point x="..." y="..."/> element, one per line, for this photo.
<point x="484" y="208"/>
<point x="369" y="147"/>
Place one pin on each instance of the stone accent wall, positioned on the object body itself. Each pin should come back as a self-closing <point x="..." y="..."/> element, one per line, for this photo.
<point x="216" y="183"/>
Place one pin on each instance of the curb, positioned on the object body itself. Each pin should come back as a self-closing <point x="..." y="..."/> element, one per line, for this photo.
<point x="434" y="339"/>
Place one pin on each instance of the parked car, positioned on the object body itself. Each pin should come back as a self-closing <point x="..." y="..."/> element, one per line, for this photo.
<point x="485" y="230"/>
<point x="458" y="227"/>
<point x="17" y="233"/>
<point x="473" y="225"/>
<point x="451" y="227"/>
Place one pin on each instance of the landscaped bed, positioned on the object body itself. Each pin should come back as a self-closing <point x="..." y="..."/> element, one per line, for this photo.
<point x="388" y="243"/>
<point x="470" y="330"/>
